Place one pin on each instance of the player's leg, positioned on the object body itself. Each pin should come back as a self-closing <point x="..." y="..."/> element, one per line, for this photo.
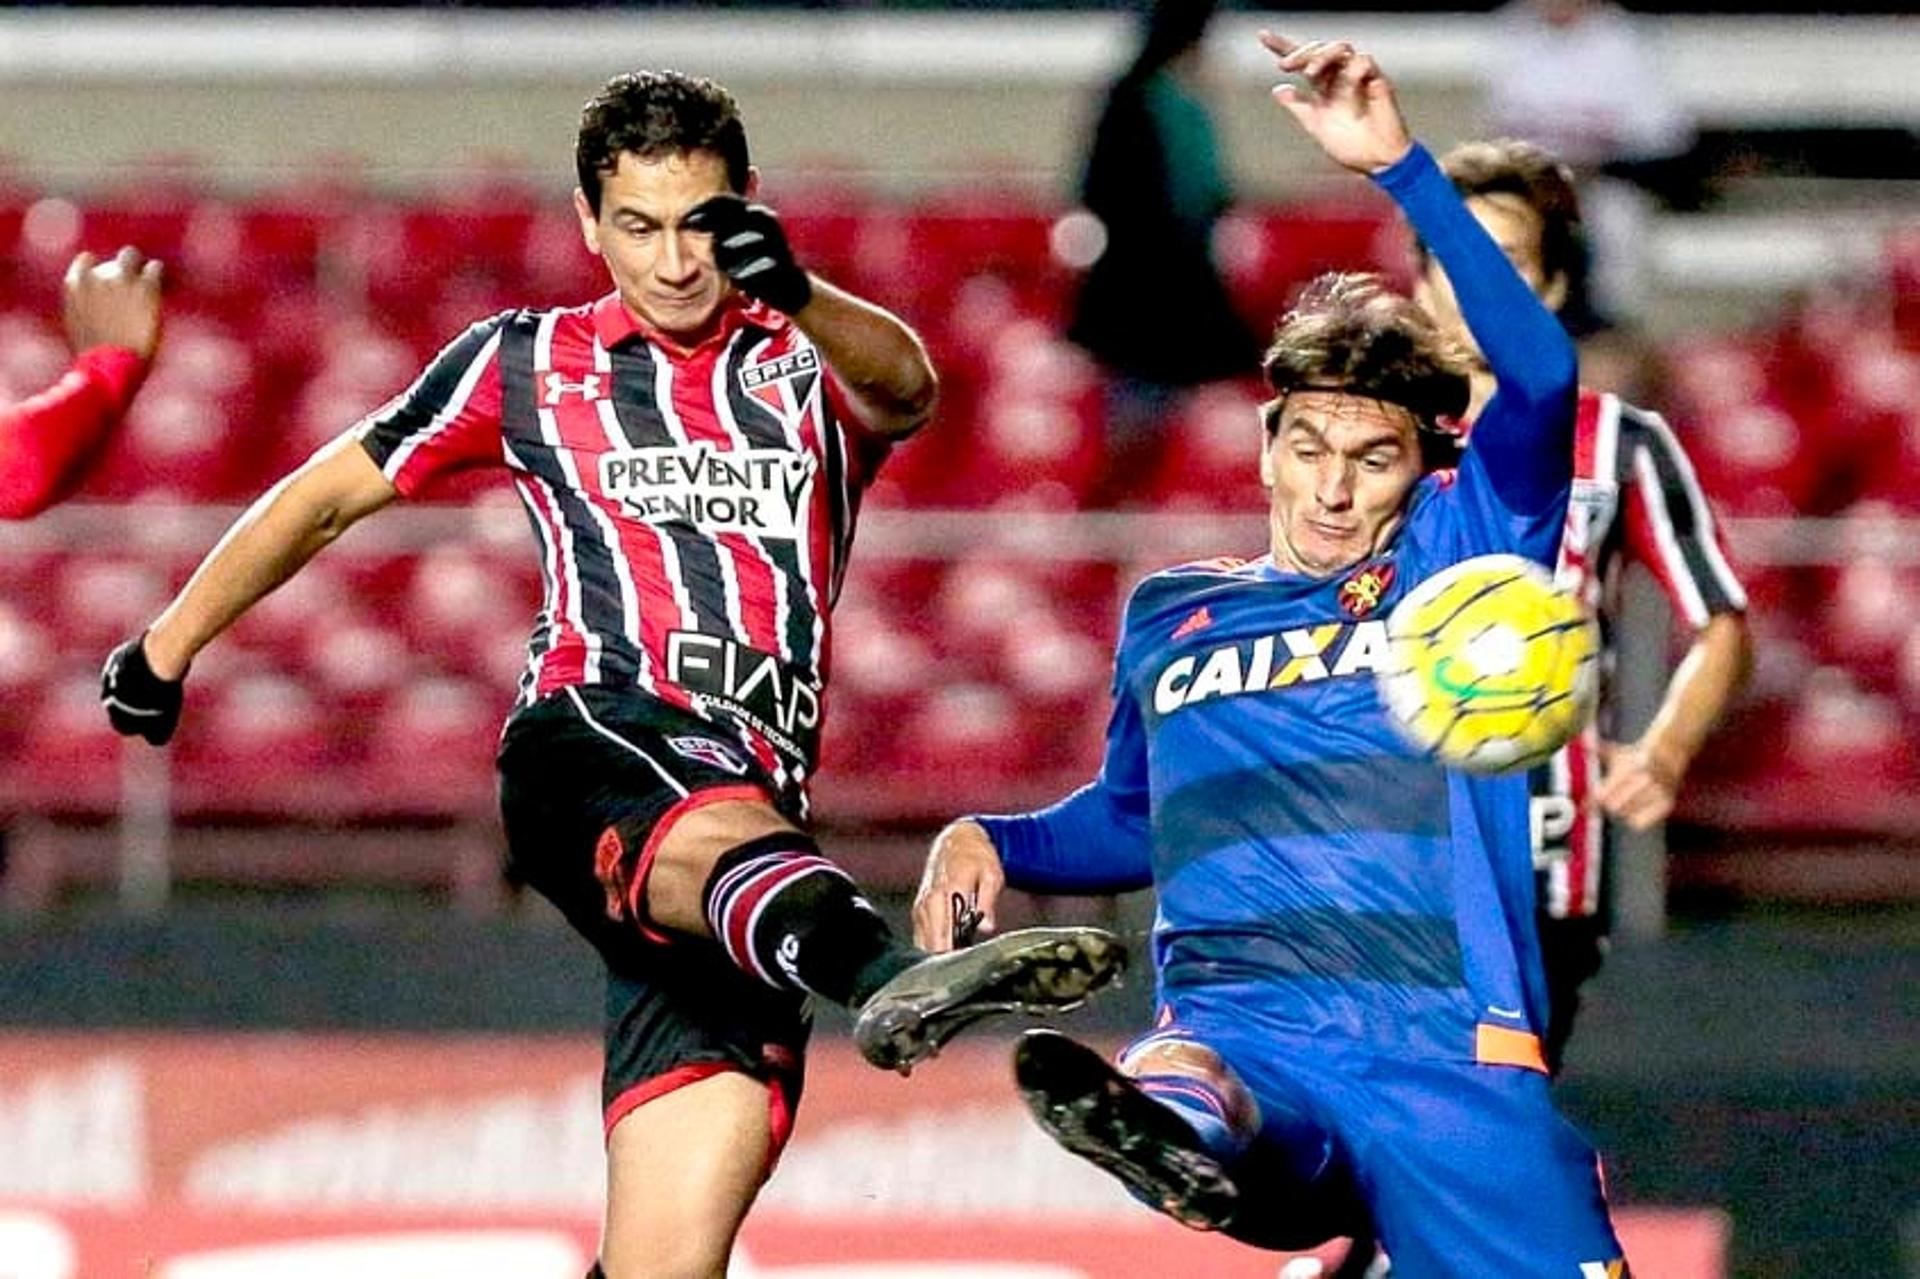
<point x="693" y="841"/>
<point x="1176" y="1123"/>
<point x="703" y="1075"/>
<point x="1169" y="1147"/>
<point x="1472" y="1172"/>
<point x="788" y="915"/>
<point x="682" y="1171"/>
<point x="702" y="1062"/>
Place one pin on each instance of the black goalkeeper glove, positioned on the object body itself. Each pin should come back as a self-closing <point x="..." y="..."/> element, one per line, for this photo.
<point x="751" y="250"/>
<point x="138" y="702"/>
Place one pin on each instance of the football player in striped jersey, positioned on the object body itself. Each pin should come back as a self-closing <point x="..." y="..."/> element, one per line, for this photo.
<point x="691" y="450"/>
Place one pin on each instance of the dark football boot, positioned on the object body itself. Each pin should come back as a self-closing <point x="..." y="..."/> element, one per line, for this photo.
<point x="1036" y="971"/>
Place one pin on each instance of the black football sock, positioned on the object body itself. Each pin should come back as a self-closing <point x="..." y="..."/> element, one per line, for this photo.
<point x="787" y="915"/>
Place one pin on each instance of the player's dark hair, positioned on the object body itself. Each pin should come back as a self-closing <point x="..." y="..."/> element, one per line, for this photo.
<point x="1350" y="332"/>
<point x="653" y="114"/>
<point x="1509" y="166"/>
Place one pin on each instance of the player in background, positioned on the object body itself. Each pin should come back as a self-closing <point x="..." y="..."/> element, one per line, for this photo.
<point x="1634" y="501"/>
<point x="1348" y="973"/>
<point x="113" y="325"/>
<point x="691" y="450"/>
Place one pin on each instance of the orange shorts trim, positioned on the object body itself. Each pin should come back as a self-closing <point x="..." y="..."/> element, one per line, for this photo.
<point x="1503" y="1046"/>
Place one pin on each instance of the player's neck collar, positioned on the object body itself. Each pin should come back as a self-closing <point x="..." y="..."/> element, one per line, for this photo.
<point x="614" y="322"/>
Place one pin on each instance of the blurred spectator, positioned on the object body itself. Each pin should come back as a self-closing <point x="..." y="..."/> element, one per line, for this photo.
<point x="1581" y="78"/>
<point x="1153" y="309"/>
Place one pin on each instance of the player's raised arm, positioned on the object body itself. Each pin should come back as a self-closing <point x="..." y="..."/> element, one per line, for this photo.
<point x="142" y="683"/>
<point x="112" y="312"/>
<point x="877" y="357"/>
<point x="1525" y="437"/>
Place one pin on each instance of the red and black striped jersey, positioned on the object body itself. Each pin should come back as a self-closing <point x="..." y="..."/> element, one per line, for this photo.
<point x="693" y="506"/>
<point x="1635" y="500"/>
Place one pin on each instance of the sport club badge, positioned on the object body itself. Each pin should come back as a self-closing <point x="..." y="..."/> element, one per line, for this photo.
<point x="769" y="382"/>
<point x="1362" y="593"/>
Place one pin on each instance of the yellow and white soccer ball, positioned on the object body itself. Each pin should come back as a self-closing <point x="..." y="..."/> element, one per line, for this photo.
<point x="1490" y="668"/>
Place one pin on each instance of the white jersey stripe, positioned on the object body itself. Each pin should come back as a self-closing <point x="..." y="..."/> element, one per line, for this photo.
<point x="1556" y="867"/>
<point x="558" y="568"/>
<point x="1606" y="440"/>
<point x="723" y="404"/>
<point x="803" y="544"/>
<point x="1651" y="492"/>
<point x="622" y="569"/>
<point x="550" y="432"/>
<point x="729" y="571"/>
<point x="1705" y="532"/>
<point x="669" y="553"/>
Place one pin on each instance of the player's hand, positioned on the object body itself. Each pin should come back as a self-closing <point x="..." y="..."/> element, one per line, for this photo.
<point x="1348" y="106"/>
<point x="963" y="872"/>
<point x="139" y="703"/>
<point x="751" y="249"/>
<point x="1638" y="783"/>
<point x="115" y="303"/>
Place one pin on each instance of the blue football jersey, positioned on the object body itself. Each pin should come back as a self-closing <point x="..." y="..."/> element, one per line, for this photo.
<point x="1307" y="858"/>
<point x="1301" y="846"/>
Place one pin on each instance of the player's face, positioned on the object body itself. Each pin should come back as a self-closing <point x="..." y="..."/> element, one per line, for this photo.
<point x="1517" y="228"/>
<point x="1340" y="468"/>
<point x="665" y="274"/>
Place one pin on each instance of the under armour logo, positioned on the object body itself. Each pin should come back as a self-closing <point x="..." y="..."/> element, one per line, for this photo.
<point x="587" y="388"/>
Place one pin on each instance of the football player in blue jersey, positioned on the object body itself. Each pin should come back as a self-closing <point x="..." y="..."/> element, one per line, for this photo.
<point x="1348" y="971"/>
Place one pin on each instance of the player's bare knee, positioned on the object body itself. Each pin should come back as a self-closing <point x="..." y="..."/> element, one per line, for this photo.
<point x="1191" y="1059"/>
<point x="1178" y="1057"/>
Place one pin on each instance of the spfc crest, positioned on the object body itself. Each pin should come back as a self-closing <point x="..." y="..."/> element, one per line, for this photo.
<point x="799" y="370"/>
<point x="709" y="752"/>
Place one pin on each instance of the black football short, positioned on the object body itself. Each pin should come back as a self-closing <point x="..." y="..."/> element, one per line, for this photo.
<point x="587" y="779"/>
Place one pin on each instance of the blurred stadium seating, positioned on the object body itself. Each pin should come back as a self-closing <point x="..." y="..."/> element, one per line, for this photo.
<point x="368" y="689"/>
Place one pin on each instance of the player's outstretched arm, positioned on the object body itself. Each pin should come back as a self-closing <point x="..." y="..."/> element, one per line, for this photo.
<point x="963" y="876"/>
<point x="1097" y="840"/>
<point x="1641" y="779"/>
<point x="877" y="357"/>
<point x="112" y="312"/>
<point x="333" y="490"/>
<point x="1525" y="437"/>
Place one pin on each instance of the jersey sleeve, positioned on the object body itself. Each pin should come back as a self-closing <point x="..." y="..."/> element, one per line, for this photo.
<point x="48" y="441"/>
<point x="1669" y="525"/>
<point x="866" y="451"/>
<point x="1524" y="436"/>
<point x="1098" y="839"/>
<point x="448" y="420"/>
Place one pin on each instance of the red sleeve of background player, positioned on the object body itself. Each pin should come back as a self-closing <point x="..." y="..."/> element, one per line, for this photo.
<point x="47" y="442"/>
<point x="448" y="420"/>
<point x="1669" y="525"/>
